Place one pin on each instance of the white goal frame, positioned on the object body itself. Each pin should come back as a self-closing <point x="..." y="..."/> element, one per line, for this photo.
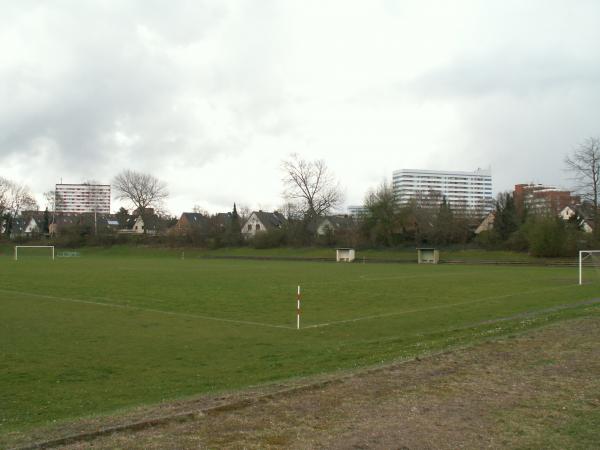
<point x="581" y="258"/>
<point x="17" y="247"/>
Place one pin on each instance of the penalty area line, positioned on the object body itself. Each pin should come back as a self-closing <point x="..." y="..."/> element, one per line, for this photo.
<point x="151" y="310"/>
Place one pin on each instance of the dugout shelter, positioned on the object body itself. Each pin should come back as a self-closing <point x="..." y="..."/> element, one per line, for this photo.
<point x="428" y="255"/>
<point x="345" y="254"/>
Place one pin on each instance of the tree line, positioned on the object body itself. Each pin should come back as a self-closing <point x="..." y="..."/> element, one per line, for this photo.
<point x="311" y="192"/>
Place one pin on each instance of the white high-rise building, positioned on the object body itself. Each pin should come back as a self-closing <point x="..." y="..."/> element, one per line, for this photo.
<point x="465" y="191"/>
<point x="83" y="198"/>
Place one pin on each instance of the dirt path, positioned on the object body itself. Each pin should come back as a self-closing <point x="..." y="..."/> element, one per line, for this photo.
<point x="538" y="390"/>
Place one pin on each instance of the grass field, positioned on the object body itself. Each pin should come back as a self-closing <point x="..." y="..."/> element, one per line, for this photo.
<point x="90" y="335"/>
<point x="399" y="254"/>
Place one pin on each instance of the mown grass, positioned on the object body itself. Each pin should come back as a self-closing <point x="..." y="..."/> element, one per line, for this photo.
<point x="402" y="254"/>
<point x="89" y="335"/>
<point x="399" y="254"/>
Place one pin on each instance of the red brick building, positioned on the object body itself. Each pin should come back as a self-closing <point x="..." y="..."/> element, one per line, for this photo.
<point x="541" y="199"/>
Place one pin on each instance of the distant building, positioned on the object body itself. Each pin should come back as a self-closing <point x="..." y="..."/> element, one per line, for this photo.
<point x="487" y="224"/>
<point x="542" y="199"/>
<point x="82" y="198"/>
<point x="190" y="221"/>
<point x="467" y="191"/>
<point x="332" y="224"/>
<point x="579" y="216"/>
<point x="358" y="211"/>
<point x="100" y="223"/>
<point x="27" y="224"/>
<point x="260" y="221"/>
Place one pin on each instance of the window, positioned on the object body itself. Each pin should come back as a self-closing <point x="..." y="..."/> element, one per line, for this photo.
<point x="249" y="227"/>
<point x="257" y="227"/>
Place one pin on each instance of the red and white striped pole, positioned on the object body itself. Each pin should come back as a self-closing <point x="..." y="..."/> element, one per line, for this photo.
<point x="298" y="310"/>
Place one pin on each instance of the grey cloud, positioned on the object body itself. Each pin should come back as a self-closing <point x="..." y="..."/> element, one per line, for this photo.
<point x="113" y="86"/>
<point x="506" y="72"/>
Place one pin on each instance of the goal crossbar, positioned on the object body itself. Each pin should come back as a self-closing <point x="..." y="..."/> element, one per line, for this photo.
<point x="584" y="254"/>
<point x="17" y="247"/>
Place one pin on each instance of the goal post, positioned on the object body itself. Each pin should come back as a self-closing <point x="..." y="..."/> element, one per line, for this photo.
<point x="583" y="256"/>
<point x="17" y="247"/>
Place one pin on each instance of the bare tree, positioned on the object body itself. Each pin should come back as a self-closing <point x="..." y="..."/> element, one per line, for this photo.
<point x="142" y="190"/>
<point x="244" y="212"/>
<point x="3" y="196"/>
<point x="310" y="184"/>
<point x="200" y="210"/>
<point x="14" y="199"/>
<point x="291" y="210"/>
<point x="584" y="164"/>
<point x="54" y="202"/>
<point x="50" y="198"/>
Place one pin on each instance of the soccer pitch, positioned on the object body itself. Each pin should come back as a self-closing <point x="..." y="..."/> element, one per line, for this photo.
<point x="86" y="336"/>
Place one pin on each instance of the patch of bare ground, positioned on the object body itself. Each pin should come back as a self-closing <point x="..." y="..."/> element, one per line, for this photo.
<point x="537" y="390"/>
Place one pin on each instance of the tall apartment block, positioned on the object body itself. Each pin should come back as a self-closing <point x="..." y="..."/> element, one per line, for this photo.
<point x="464" y="191"/>
<point x="83" y="198"/>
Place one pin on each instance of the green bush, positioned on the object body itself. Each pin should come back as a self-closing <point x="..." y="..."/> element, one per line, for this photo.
<point x="547" y="237"/>
<point x="268" y="239"/>
<point x="518" y="241"/>
<point x="489" y="240"/>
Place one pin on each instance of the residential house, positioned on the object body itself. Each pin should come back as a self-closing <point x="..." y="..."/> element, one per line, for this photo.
<point x="261" y="221"/>
<point x="329" y="225"/>
<point x="487" y="224"/>
<point x="189" y="222"/>
<point x="87" y="222"/>
<point x="22" y="227"/>
<point x="62" y="222"/>
<point x="577" y="214"/>
<point x="28" y="223"/>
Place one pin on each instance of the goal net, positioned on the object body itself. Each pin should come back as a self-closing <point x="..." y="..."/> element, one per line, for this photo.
<point x="589" y="266"/>
<point x="44" y="251"/>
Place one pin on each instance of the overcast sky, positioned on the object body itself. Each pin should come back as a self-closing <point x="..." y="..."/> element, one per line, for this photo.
<point x="210" y="96"/>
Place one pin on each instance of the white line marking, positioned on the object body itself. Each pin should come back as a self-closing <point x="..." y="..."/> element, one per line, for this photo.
<point x="409" y="311"/>
<point x="137" y="308"/>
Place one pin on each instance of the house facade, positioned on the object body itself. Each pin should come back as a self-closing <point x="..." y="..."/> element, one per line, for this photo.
<point x="487" y="224"/>
<point x="575" y="214"/>
<point x="261" y="221"/>
<point x="28" y="223"/>
<point x="332" y="224"/>
<point x="188" y="222"/>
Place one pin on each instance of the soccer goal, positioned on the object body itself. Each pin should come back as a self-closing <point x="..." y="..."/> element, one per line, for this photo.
<point x="588" y="259"/>
<point x="28" y="249"/>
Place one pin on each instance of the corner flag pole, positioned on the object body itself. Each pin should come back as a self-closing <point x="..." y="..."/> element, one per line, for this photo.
<point x="581" y="252"/>
<point x="298" y="309"/>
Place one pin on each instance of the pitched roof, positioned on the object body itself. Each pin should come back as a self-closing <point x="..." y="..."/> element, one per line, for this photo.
<point x="270" y="220"/>
<point x="340" y="221"/>
<point x="62" y="219"/>
<point x="223" y="218"/>
<point x="66" y="219"/>
<point x="194" y="218"/>
<point x="37" y="215"/>
<point x="337" y="222"/>
<point x="152" y="222"/>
